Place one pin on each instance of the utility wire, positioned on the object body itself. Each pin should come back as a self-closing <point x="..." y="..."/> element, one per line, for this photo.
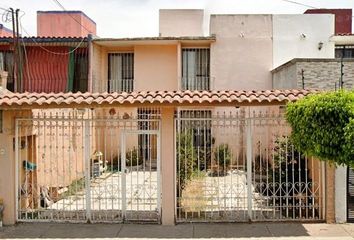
<point x="45" y="49"/>
<point x="62" y="7"/>
<point x="304" y="5"/>
<point x="301" y="4"/>
<point x="49" y="51"/>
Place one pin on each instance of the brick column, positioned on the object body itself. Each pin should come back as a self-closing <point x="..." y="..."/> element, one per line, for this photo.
<point x="167" y="166"/>
<point x="330" y="193"/>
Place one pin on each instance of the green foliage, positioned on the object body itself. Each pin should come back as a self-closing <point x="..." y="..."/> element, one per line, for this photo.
<point x="74" y="187"/>
<point x="288" y="163"/>
<point x="287" y="178"/>
<point x="132" y="159"/>
<point x="322" y="126"/>
<point x="186" y="158"/>
<point x="222" y="155"/>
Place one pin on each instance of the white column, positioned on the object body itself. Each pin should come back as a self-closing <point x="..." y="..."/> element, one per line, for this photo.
<point x="341" y="194"/>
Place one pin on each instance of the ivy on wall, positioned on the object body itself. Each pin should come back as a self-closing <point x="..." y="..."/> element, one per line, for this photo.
<point x="323" y="126"/>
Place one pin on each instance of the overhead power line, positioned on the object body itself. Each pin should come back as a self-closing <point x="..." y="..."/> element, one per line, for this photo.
<point x="62" y="7"/>
<point x="301" y="4"/>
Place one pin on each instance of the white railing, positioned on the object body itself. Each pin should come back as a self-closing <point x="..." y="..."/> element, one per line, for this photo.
<point x="196" y="83"/>
<point x="121" y="85"/>
<point x="80" y="166"/>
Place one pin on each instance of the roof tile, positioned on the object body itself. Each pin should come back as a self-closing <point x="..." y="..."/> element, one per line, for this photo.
<point x="9" y="99"/>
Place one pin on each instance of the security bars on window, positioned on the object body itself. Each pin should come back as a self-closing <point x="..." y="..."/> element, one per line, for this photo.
<point x="121" y="72"/>
<point x="195" y="69"/>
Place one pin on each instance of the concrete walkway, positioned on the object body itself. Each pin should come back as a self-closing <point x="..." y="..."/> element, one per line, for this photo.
<point x="183" y="231"/>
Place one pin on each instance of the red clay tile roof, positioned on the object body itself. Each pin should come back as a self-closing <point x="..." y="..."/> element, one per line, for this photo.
<point x="9" y="100"/>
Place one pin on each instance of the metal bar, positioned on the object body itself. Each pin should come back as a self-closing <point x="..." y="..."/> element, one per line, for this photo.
<point x="87" y="169"/>
<point x="123" y="169"/>
<point x="249" y="166"/>
<point x="17" y="168"/>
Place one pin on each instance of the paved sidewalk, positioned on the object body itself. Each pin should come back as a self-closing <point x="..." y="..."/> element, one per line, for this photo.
<point x="183" y="231"/>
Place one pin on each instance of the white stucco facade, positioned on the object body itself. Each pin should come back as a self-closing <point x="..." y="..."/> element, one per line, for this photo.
<point x="299" y="36"/>
<point x="341" y="194"/>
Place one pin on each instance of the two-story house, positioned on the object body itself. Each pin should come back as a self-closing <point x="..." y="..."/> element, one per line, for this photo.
<point x="181" y="127"/>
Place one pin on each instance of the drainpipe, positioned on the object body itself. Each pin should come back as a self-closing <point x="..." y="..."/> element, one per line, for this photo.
<point x="90" y="58"/>
<point x="1" y="211"/>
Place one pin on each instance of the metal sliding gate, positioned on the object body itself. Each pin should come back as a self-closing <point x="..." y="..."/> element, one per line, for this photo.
<point x="79" y="168"/>
<point x="242" y="166"/>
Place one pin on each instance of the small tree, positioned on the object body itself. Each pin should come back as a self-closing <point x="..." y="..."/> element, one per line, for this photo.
<point x="322" y="126"/>
<point x="186" y="158"/>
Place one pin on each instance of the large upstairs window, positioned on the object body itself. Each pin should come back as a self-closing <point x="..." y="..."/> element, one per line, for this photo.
<point x="195" y="69"/>
<point x="121" y="72"/>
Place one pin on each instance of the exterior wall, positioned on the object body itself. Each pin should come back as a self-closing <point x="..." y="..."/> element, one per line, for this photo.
<point x="62" y="24"/>
<point x="341" y="194"/>
<point x="181" y="22"/>
<point x="288" y="42"/>
<point x="330" y="193"/>
<point x="320" y="74"/>
<point x="98" y="84"/>
<point x="241" y="57"/>
<point x="7" y="163"/>
<point x="343" y="18"/>
<point x="155" y="68"/>
<point x="285" y="78"/>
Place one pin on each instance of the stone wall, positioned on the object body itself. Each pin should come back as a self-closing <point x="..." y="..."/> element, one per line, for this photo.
<point x="321" y="74"/>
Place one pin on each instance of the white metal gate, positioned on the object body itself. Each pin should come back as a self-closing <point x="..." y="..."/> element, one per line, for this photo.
<point x="77" y="166"/>
<point x="241" y="166"/>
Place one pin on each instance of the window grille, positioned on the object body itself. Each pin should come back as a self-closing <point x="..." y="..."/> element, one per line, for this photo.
<point x="196" y="69"/>
<point x="121" y="72"/>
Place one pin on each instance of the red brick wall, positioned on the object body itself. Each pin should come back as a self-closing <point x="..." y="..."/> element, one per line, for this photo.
<point x="343" y="18"/>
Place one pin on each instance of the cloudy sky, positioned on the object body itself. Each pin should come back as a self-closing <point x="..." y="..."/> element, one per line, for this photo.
<point x="131" y="18"/>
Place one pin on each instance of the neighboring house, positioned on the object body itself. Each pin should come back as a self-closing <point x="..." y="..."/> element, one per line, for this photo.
<point x="330" y="73"/>
<point x="5" y="32"/>
<point x="170" y="128"/>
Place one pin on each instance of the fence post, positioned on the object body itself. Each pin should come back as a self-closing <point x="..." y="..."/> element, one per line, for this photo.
<point x="87" y="168"/>
<point x="167" y="166"/>
<point x="249" y="165"/>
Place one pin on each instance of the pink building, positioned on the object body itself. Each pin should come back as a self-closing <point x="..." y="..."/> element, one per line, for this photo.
<point x="5" y="32"/>
<point x="64" y="24"/>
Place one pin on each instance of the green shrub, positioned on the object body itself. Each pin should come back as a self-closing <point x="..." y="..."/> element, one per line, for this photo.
<point x="222" y="155"/>
<point x="287" y="178"/>
<point x="322" y="126"/>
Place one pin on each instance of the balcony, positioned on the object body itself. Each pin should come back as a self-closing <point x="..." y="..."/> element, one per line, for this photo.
<point x="121" y="85"/>
<point x="196" y="83"/>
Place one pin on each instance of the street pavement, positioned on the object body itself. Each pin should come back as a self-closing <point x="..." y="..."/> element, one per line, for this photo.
<point x="259" y="231"/>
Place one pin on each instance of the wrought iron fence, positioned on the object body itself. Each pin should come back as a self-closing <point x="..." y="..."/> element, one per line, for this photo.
<point x="242" y="166"/>
<point x="81" y="166"/>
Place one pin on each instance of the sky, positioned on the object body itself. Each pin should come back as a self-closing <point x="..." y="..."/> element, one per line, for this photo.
<point x="139" y="18"/>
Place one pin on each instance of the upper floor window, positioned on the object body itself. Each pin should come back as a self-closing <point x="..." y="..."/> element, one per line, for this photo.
<point x="195" y="69"/>
<point x="121" y="72"/>
<point x="344" y="52"/>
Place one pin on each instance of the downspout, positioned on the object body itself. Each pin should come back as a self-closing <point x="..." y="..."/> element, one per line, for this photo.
<point x="90" y="58"/>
